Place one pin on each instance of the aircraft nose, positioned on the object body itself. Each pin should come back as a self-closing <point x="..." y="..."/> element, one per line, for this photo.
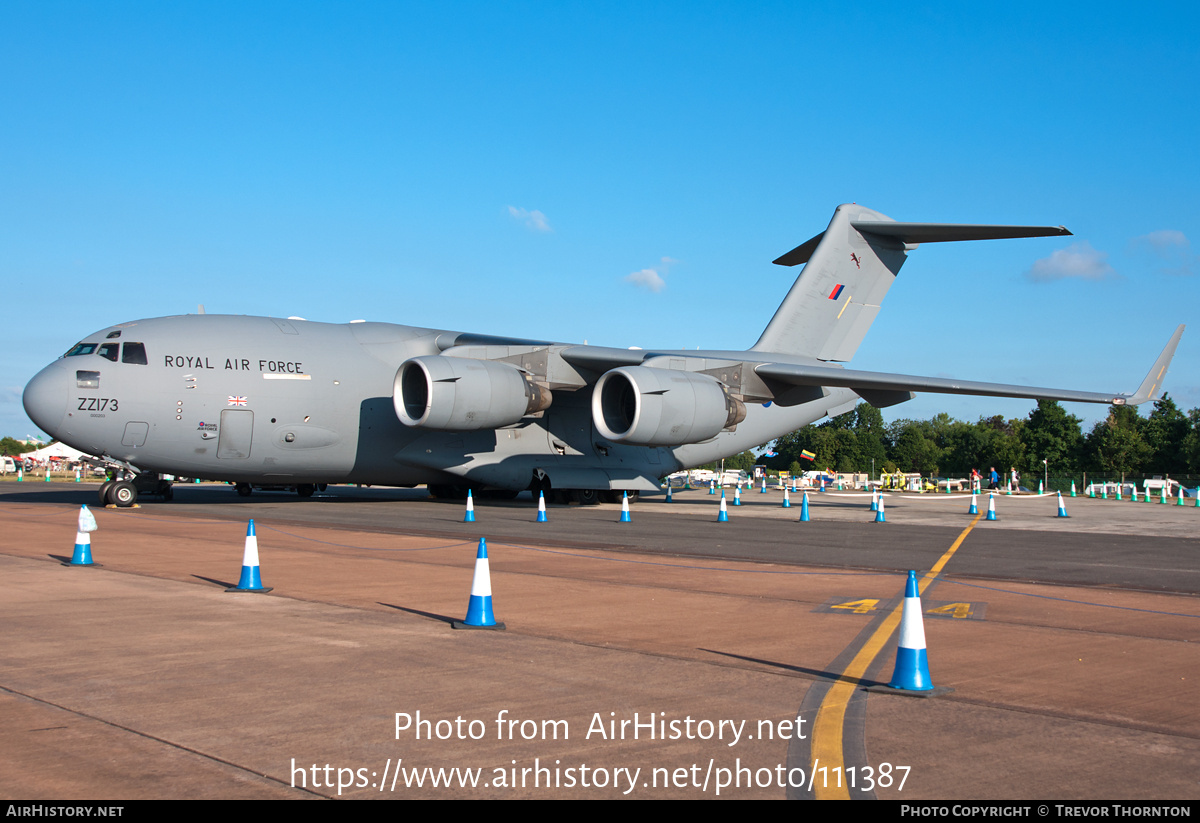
<point x="45" y="398"/>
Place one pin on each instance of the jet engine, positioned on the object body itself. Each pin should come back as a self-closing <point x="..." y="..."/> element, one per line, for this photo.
<point x="662" y="407"/>
<point x="457" y="394"/>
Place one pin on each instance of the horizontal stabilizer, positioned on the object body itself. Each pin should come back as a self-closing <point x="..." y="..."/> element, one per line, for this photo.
<point x="914" y="233"/>
<point x="948" y="232"/>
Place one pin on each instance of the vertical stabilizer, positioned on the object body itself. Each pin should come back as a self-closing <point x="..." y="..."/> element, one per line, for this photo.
<point x="849" y="268"/>
<point x="838" y="293"/>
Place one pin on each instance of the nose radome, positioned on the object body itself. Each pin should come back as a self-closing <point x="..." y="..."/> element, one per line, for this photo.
<point x="45" y="398"/>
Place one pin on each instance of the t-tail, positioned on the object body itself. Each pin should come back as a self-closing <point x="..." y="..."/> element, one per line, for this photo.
<point x="849" y="268"/>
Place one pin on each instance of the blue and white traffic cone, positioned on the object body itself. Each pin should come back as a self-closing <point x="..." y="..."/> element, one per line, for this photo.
<point x="1133" y="497"/>
<point x="668" y="492"/>
<point x="764" y="486"/>
<point x="541" y="518"/>
<point x="1162" y="494"/>
<point x="77" y="475"/>
<point x="1041" y="489"/>
<point x="991" y="515"/>
<point x="82" y="556"/>
<point x="479" y="608"/>
<point x="874" y="499"/>
<point x="251" y="580"/>
<point x="1119" y="490"/>
<point x="625" y="507"/>
<point x="1180" y="503"/>
<point x="912" y="661"/>
<point x="787" y="503"/>
<point x="1072" y="488"/>
<point x="469" y="517"/>
<point x="804" y="508"/>
<point x="880" y="517"/>
<point x="712" y="487"/>
<point x="723" y="513"/>
<point x="974" y="508"/>
<point x="1062" y="509"/>
<point x="737" y="495"/>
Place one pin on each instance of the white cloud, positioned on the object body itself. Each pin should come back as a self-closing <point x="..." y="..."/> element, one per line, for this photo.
<point x="1169" y="245"/>
<point x="534" y="220"/>
<point x="1078" y="260"/>
<point x="647" y="279"/>
<point x="1162" y="241"/>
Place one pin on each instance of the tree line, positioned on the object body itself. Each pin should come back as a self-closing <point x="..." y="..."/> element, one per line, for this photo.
<point x="1167" y="442"/>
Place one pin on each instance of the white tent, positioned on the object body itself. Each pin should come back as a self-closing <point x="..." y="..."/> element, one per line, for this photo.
<point x="57" y="450"/>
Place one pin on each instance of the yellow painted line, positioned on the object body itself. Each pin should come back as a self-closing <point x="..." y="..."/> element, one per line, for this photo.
<point x="827" y="750"/>
<point x="849" y="297"/>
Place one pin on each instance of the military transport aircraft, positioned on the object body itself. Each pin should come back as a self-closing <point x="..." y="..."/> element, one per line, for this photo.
<point x="287" y="402"/>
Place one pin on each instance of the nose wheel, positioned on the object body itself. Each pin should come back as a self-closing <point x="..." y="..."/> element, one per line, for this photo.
<point x="121" y="494"/>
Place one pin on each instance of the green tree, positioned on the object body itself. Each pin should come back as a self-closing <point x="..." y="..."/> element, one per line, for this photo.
<point x="1116" y="445"/>
<point x="1051" y="435"/>
<point x="1164" y="432"/>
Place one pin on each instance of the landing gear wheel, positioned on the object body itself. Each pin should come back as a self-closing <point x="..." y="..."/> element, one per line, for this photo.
<point x="306" y="489"/>
<point x="559" y="497"/>
<point x="609" y="497"/>
<point x="243" y="489"/>
<point x="586" y="497"/>
<point x="322" y="487"/>
<point x="122" y="494"/>
<point x="633" y="496"/>
<point x="104" y="487"/>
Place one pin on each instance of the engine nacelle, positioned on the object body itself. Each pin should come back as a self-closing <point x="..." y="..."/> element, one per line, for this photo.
<point x="662" y="407"/>
<point x="457" y="394"/>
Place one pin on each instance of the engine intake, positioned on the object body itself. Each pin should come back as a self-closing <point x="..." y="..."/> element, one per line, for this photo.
<point x="662" y="407"/>
<point x="457" y="394"/>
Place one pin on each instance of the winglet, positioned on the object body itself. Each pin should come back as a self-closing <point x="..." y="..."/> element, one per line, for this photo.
<point x="1149" y="390"/>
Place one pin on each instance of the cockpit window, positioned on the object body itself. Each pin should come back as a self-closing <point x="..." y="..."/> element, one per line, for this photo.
<point x="81" y="348"/>
<point x="113" y="335"/>
<point x="109" y="351"/>
<point x="134" y="353"/>
<point x="87" y="379"/>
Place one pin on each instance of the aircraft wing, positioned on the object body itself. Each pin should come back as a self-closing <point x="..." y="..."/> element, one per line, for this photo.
<point x="813" y="375"/>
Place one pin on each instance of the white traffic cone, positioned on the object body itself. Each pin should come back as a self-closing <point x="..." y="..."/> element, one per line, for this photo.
<point x="625" y="507"/>
<point x="1062" y="509"/>
<point x="974" y="508"/>
<point x="912" y="662"/>
<point x="541" y="518"/>
<point x="723" y="512"/>
<point x="991" y="515"/>
<point x="251" y="580"/>
<point x="787" y="503"/>
<point x="82" y="555"/>
<point x="479" y="608"/>
<point x="469" y="517"/>
<point x="880" y="516"/>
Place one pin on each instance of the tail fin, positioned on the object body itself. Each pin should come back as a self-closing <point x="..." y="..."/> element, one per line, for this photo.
<point x="850" y="267"/>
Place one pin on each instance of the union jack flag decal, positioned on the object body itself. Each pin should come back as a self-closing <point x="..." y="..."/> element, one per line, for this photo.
<point x="237" y="401"/>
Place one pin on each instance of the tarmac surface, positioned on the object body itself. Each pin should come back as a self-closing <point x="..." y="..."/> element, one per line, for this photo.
<point x="671" y="656"/>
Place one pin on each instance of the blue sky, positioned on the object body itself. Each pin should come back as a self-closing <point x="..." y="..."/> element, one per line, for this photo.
<point x="620" y="173"/>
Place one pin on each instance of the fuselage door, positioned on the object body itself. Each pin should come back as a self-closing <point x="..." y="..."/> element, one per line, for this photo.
<point x="237" y="430"/>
